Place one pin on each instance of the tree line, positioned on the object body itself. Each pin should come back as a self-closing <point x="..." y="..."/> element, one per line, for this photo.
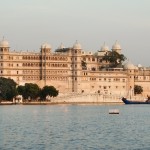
<point x="30" y="91"/>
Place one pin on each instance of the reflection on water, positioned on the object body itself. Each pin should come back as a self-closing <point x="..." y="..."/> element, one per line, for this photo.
<point x="81" y="127"/>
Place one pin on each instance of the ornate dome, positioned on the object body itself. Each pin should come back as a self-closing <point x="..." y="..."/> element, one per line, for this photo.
<point x="129" y="65"/>
<point x="104" y="47"/>
<point x="4" y="43"/>
<point x="45" y="45"/>
<point x="77" y="45"/>
<point x="116" y="46"/>
<point x="136" y="68"/>
<point x="61" y="46"/>
<point x="139" y="66"/>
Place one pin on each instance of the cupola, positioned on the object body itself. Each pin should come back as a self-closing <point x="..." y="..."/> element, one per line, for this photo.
<point x="77" y="45"/>
<point x="104" y="48"/>
<point x="4" y="43"/>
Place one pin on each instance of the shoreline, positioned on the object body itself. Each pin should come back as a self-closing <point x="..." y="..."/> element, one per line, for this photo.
<point x="63" y="103"/>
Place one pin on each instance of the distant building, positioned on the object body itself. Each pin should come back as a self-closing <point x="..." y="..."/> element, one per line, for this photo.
<point x="72" y="70"/>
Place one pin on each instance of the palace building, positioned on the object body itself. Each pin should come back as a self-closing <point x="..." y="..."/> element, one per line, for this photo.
<point x="72" y="69"/>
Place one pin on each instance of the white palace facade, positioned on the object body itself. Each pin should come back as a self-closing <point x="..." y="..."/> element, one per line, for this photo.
<point x="72" y="70"/>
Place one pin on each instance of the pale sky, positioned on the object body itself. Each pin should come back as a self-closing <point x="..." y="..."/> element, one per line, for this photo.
<point x="27" y="24"/>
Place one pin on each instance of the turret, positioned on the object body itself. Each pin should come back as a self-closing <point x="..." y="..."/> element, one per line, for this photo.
<point x="4" y="46"/>
<point x="116" y="47"/>
<point x="46" y="48"/>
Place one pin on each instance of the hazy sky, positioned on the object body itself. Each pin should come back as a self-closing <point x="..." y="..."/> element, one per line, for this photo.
<point x="26" y="24"/>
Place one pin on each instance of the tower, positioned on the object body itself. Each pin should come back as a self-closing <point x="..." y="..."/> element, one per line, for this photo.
<point x="76" y="67"/>
<point x="4" y="46"/>
<point x="130" y="68"/>
<point x="4" y="54"/>
<point x="45" y="50"/>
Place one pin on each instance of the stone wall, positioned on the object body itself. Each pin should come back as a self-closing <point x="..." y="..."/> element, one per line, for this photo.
<point x="87" y="98"/>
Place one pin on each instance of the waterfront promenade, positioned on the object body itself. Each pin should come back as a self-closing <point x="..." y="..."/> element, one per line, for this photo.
<point x="79" y="98"/>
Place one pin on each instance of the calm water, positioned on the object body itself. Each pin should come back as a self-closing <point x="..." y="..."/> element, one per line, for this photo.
<point x="79" y="127"/>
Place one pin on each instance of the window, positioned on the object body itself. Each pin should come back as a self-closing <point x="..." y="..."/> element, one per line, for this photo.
<point x="117" y="79"/>
<point x="105" y="87"/>
<point x="123" y="80"/>
<point x="93" y="59"/>
<point x="84" y="59"/>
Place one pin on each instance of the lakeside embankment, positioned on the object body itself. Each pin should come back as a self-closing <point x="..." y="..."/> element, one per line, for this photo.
<point x="63" y="103"/>
<point x="74" y="99"/>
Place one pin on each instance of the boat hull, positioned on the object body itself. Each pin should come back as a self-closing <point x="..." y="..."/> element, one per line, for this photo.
<point x="134" y="102"/>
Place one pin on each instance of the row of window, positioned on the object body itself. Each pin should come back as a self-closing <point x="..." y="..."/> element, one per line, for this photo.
<point x="109" y="87"/>
<point x="47" y="64"/>
<point x="47" y="72"/>
<point x="4" y="49"/>
<point x="142" y="77"/>
<point x="89" y="59"/>
<point x="114" y="79"/>
<point x="108" y="80"/>
<point x="47" y="78"/>
<point x="11" y="65"/>
<point x="45" y="58"/>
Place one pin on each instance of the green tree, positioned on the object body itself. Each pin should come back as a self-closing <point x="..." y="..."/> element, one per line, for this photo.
<point x="7" y="89"/>
<point x="114" y="58"/>
<point x="21" y="91"/>
<point x="29" y="90"/>
<point x="48" y="90"/>
<point x="138" y="89"/>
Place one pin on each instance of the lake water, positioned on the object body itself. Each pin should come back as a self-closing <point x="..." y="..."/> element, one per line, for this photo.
<point x="74" y="127"/>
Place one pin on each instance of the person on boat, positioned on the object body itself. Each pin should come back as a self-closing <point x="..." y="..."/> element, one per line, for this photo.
<point x="148" y="98"/>
<point x="123" y="98"/>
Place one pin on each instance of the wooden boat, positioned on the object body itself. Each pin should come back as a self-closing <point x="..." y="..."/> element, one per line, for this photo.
<point x="114" y="111"/>
<point x="135" y="102"/>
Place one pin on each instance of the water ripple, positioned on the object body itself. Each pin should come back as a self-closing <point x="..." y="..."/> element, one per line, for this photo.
<point x="84" y="127"/>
